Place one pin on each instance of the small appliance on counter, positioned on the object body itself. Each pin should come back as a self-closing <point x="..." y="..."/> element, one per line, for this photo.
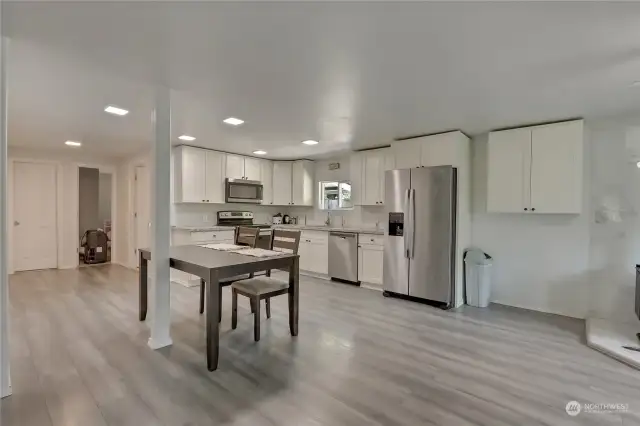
<point x="286" y="219"/>
<point x="277" y="219"/>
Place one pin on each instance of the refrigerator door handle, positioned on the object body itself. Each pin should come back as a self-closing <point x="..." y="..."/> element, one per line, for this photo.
<point x="405" y="234"/>
<point x="412" y="213"/>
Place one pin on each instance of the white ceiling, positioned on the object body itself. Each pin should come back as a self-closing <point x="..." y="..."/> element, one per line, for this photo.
<point x="352" y="75"/>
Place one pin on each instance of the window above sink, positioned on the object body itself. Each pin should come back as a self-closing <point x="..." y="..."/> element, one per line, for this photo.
<point x="335" y="195"/>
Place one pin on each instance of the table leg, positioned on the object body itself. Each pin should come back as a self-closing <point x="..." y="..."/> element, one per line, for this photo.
<point x="294" y="295"/>
<point x="142" y="284"/>
<point x="213" y="326"/>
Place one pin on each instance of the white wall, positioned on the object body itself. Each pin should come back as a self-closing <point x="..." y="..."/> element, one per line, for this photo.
<point x="569" y="264"/>
<point x="68" y="161"/>
<point x="104" y="198"/>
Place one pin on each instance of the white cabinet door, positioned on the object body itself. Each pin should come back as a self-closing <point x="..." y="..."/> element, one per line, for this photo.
<point x="235" y="166"/>
<point x="373" y="167"/>
<point x="320" y="259"/>
<point x="556" y="168"/>
<point x="372" y="258"/>
<point x="266" y="177"/>
<point x="193" y="169"/>
<point x="509" y="169"/>
<point x="305" y="251"/>
<point x="407" y="153"/>
<point x="214" y="186"/>
<point x="282" y="183"/>
<point x="302" y="183"/>
<point x="356" y="176"/>
<point x="252" y="168"/>
<point x="439" y="150"/>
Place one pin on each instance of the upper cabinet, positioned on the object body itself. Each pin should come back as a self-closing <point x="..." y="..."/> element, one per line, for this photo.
<point x="266" y="177"/>
<point x="536" y="169"/>
<point x="302" y="176"/>
<point x="282" y="174"/>
<point x="367" y="175"/>
<point x="443" y="149"/>
<point x="239" y="167"/>
<point x="198" y="175"/>
<point x="407" y="153"/>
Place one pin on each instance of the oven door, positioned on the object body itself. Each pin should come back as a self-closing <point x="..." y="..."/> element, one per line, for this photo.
<point x="243" y="191"/>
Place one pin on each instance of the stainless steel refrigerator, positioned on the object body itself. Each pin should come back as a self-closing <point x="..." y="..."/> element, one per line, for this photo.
<point x="419" y="248"/>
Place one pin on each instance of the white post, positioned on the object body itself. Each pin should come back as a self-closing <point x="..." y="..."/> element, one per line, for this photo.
<point x="159" y="295"/>
<point x="5" y="385"/>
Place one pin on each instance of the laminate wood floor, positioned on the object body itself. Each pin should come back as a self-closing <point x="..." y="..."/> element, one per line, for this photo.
<point x="80" y="357"/>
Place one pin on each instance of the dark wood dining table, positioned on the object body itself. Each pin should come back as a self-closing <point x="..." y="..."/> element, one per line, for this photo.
<point x="212" y="266"/>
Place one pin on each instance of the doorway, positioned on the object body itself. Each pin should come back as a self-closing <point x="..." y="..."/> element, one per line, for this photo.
<point x="141" y="213"/>
<point x="35" y="233"/>
<point x="95" y="190"/>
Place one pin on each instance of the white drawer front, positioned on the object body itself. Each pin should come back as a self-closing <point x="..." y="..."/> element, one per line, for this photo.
<point x="203" y="236"/>
<point x="376" y="240"/>
<point x="319" y="237"/>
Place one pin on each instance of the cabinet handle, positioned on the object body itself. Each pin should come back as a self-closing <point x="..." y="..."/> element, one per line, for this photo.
<point x="525" y="209"/>
<point x="533" y="209"/>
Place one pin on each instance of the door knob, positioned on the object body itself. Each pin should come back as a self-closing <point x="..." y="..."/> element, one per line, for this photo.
<point x="16" y="223"/>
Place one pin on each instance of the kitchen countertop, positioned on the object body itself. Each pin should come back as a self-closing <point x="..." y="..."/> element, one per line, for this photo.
<point x="205" y="228"/>
<point x="372" y="231"/>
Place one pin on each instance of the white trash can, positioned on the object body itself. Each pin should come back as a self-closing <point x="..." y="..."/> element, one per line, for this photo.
<point x="478" y="277"/>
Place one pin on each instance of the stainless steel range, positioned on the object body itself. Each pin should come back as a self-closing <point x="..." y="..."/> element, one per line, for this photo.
<point x="240" y="218"/>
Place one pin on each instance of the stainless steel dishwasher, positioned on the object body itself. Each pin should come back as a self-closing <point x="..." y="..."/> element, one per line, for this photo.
<point x="343" y="256"/>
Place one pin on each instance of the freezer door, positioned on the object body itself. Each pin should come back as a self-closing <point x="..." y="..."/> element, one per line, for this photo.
<point x="432" y="254"/>
<point x="396" y="201"/>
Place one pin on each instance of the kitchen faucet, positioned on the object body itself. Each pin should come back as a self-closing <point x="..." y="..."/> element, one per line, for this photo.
<point x="328" y="221"/>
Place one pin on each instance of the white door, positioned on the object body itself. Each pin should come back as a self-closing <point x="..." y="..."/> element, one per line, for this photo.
<point x="141" y="209"/>
<point x="372" y="260"/>
<point x="556" y="168"/>
<point x="509" y="168"/>
<point x="266" y="177"/>
<point x="373" y="167"/>
<point x="35" y="240"/>
<point x="214" y="171"/>
<point x="193" y="175"/>
<point x="235" y="167"/>
<point x="252" y="168"/>
<point x="282" y="183"/>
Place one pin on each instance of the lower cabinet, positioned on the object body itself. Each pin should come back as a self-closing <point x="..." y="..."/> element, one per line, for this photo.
<point x="314" y="252"/>
<point x="370" y="259"/>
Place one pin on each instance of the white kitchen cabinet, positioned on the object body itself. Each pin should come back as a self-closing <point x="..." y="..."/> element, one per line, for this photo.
<point x="370" y="258"/>
<point x="189" y="169"/>
<point x="374" y="165"/>
<point x="536" y="169"/>
<point x="235" y="166"/>
<point x="302" y="176"/>
<point x="508" y="171"/>
<point x="252" y="168"/>
<point x="314" y="252"/>
<point x="214" y="173"/>
<point x="355" y="174"/>
<point x="407" y="153"/>
<point x="266" y="177"/>
<point x="282" y="175"/>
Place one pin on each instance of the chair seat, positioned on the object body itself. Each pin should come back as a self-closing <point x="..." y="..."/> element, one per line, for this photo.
<point x="260" y="285"/>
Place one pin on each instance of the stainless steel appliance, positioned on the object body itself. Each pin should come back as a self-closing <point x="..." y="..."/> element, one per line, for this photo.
<point x="239" y="218"/>
<point x="343" y="256"/>
<point x="419" y="248"/>
<point x="243" y="191"/>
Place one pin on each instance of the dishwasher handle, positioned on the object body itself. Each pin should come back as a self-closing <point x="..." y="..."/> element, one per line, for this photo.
<point x="342" y="235"/>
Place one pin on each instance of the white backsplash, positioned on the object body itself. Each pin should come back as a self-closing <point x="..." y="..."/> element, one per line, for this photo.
<point x="205" y="214"/>
<point x="367" y="217"/>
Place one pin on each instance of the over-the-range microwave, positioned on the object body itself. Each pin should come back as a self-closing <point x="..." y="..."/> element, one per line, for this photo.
<point x="243" y="191"/>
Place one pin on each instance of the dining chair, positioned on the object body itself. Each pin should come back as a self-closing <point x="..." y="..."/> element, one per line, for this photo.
<point x="243" y="236"/>
<point x="264" y="287"/>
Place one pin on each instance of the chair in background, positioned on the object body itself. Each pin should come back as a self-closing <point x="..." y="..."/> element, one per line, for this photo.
<point x="243" y="236"/>
<point x="264" y="287"/>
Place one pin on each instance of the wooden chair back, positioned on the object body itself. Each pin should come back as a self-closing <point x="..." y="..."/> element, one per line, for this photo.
<point x="285" y="241"/>
<point x="245" y="236"/>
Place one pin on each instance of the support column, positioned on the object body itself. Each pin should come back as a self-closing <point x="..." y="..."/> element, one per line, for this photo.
<point x="5" y="384"/>
<point x="160" y="293"/>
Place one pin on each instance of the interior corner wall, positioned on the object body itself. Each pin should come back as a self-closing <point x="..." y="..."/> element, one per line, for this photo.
<point x="88" y="199"/>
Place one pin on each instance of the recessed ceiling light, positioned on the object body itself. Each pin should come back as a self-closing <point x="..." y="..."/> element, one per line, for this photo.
<point x="73" y="143"/>
<point x="638" y="164"/>
<point x="186" y="138"/>
<point x="115" y="110"/>
<point x="635" y="84"/>
<point x="233" y="121"/>
<point x="259" y="152"/>
<point x="310" y="142"/>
